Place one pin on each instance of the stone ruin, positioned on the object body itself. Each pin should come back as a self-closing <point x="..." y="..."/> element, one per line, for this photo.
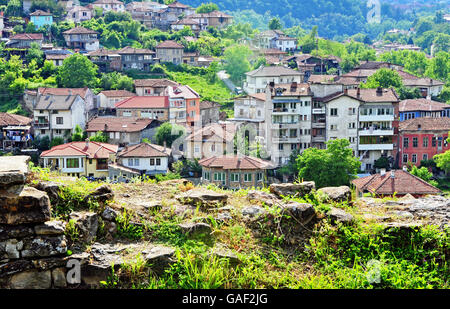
<point x="33" y="249"/>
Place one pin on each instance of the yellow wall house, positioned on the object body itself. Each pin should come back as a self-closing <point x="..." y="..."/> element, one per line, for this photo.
<point x="89" y="159"/>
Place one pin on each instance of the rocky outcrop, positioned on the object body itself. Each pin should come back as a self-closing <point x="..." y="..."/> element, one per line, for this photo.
<point x="292" y="189"/>
<point x="203" y="198"/>
<point x="13" y="170"/>
<point x="262" y="197"/>
<point x="195" y="229"/>
<point x="338" y="215"/>
<point x="101" y="194"/>
<point x="87" y="224"/>
<point x="335" y="194"/>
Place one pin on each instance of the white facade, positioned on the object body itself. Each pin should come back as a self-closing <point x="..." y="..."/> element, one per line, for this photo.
<point x="258" y="84"/>
<point x="153" y="165"/>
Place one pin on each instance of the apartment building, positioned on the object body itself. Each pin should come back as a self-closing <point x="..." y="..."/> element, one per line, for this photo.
<point x="287" y="120"/>
<point x="153" y="107"/>
<point x="184" y="104"/>
<point x="107" y="99"/>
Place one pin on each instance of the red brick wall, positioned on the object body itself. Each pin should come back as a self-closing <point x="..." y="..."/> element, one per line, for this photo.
<point x="195" y="108"/>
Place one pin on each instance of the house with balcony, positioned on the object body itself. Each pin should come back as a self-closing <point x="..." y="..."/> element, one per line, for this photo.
<point x="264" y="38"/>
<point x="81" y="38"/>
<point x="58" y="115"/>
<point x="24" y="40"/>
<point x="186" y="22"/>
<point x="17" y="131"/>
<point x="153" y="87"/>
<point x="284" y="43"/>
<point x="148" y="159"/>
<point x="184" y="104"/>
<point x="107" y="60"/>
<point x="288" y="120"/>
<point x="77" y="159"/>
<point x="235" y="171"/>
<point x="309" y="64"/>
<point x="418" y="108"/>
<point x="41" y="18"/>
<point x="152" y="107"/>
<point x="170" y="51"/>
<point x="257" y="80"/>
<point x="137" y="58"/>
<point x="250" y="111"/>
<point x="123" y="131"/>
<point x="422" y="139"/>
<point x="215" y="19"/>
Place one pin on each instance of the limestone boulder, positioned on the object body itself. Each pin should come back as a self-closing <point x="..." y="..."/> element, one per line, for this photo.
<point x="44" y="246"/>
<point x="50" y="228"/>
<point x="101" y="194"/>
<point x="335" y="194"/>
<point x="21" y="205"/>
<point x="302" y="212"/>
<point x="194" y="229"/>
<point x="160" y="258"/>
<point x="338" y="215"/>
<point x="261" y="197"/>
<point x="292" y="189"/>
<point x="203" y="198"/>
<point x="13" y="170"/>
<point x="31" y="280"/>
<point x="87" y="224"/>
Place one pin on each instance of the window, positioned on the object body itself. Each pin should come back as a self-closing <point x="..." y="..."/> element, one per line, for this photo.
<point x="433" y="141"/>
<point x="414" y="158"/>
<point x="333" y="127"/>
<point x="405" y="142"/>
<point x="136" y="162"/>
<point x="219" y="176"/>
<point x="333" y="112"/>
<point x="58" y="132"/>
<point x="352" y="125"/>
<point x="280" y="146"/>
<point x="73" y="163"/>
<point x="247" y="177"/>
<point x="415" y="142"/>
<point x="59" y="120"/>
<point x="158" y="161"/>
<point x="152" y="161"/>
<point x="234" y="177"/>
<point x="111" y="135"/>
<point x="206" y="175"/>
<point x="425" y="156"/>
<point x="405" y="158"/>
<point x="425" y="142"/>
<point x="259" y="176"/>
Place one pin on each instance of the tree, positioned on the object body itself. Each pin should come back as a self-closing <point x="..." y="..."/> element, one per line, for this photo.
<point x="384" y="78"/>
<point x="56" y="141"/>
<point x="439" y="66"/>
<point x="236" y="61"/>
<point x="116" y="81"/>
<point x="77" y="71"/>
<point x="77" y="135"/>
<point x="14" y="8"/>
<point x="99" y="137"/>
<point x="168" y="133"/>
<point x="334" y="166"/>
<point x="275" y="24"/>
<point x="382" y="162"/>
<point x="207" y="8"/>
<point x="30" y="28"/>
<point x="309" y="43"/>
<point x="424" y="174"/>
<point x="35" y="52"/>
<point x="113" y="40"/>
<point x="443" y="161"/>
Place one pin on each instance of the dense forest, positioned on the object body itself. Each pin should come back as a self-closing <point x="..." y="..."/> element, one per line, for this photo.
<point x="335" y="19"/>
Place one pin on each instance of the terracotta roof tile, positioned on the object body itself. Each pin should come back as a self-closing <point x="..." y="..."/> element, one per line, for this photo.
<point x="94" y="150"/>
<point x="7" y="119"/>
<point x="144" y="102"/>
<point x="170" y="44"/>
<point x="144" y="150"/>
<point x="27" y="36"/>
<point x="236" y="162"/>
<point x="421" y="105"/>
<point x="118" y="124"/>
<point x="40" y="13"/>
<point x="63" y="91"/>
<point x="154" y="83"/>
<point x="425" y="124"/>
<point x="80" y="30"/>
<point x="117" y="93"/>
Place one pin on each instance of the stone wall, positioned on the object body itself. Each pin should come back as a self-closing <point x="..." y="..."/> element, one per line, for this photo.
<point x="32" y="248"/>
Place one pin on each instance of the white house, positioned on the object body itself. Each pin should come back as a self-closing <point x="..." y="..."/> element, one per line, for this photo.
<point x="257" y="80"/>
<point x="58" y="115"/>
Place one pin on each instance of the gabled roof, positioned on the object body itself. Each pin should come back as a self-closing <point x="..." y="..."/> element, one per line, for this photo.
<point x="27" y="36"/>
<point x="372" y="95"/>
<point x="7" y="119"/>
<point x="145" y="150"/>
<point x="273" y="70"/>
<point x="107" y="2"/>
<point x="55" y="102"/>
<point x="210" y="15"/>
<point x="322" y="79"/>
<point x="40" y="13"/>
<point x="82" y="92"/>
<point x="169" y="44"/>
<point x="144" y="102"/>
<point x="91" y="150"/>
<point x="103" y="52"/>
<point x="236" y="162"/>
<point x="421" y="105"/>
<point x="425" y="124"/>
<point x="80" y="30"/>
<point x="179" y="5"/>
<point x="154" y="83"/>
<point x="184" y="91"/>
<point x="396" y="181"/>
<point x="118" y="124"/>
<point x="117" y="93"/>
<point x="186" y="21"/>
<point x="130" y="50"/>
<point x="215" y="132"/>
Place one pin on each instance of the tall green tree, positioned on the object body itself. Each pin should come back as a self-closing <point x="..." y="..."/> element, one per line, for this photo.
<point x="385" y="78"/>
<point x="168" y="133"/>
<point x="443" y="161"/>
<point x="236" y="61"/>
<point x="207" y="8"/>
<point x="334" y="166"/>
<point x="275" y="24"/>
<point x="77" y="71"/>
<point x="77" y="135"/>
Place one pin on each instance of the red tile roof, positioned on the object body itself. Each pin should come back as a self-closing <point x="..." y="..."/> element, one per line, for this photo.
<point x="27" y="36"/>
<point x="63" y="91"/>
<point x="398" y="181"/>
<point x="156" y="82"/>
<point x="169" y="44"/>
<point x="215" y="132"/>
<point x="7" y="119"/>
<point x="144" y="102"/>
<point x="94" y="150"/>
<point x="421" y="105"/>
<point x="40" y="13"/>
<point x="117" y="93"/>
<point x="425" y="124"/>
<point x="236" y="162"/>
<point x="128" y="50"/>
<point x="118" y="124"/>
<point x="80" y="30"/>
<point x="145" y="150"/>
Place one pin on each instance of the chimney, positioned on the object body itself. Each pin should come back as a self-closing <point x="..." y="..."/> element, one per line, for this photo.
<point x="106" y="127"/>
<point x="272" y="84"/>
<point x="379" y="91"/>
<point x="405" y="168"/>
<point x="382" y="172"/>
<point x="70" y="92"/>
<point x="358" y="93"/>
<point x="87" y="142"/>
<point x="346" y="91"/>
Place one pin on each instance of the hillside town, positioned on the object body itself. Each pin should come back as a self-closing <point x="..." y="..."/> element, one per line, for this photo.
<point x="293" y="102"/>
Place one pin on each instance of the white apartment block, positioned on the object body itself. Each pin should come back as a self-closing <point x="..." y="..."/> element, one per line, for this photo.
<point x="257" y="80"/>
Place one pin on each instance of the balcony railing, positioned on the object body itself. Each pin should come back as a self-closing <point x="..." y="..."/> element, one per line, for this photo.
<point x="318" y="125"/>
<point x="41" y="124"/>
<point x="318" y="139"/>
<point x="318" y="111"/>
